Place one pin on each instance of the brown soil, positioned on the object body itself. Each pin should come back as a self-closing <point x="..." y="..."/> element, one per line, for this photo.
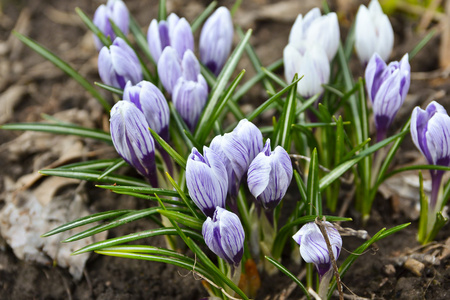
<point x="45" y="89"/>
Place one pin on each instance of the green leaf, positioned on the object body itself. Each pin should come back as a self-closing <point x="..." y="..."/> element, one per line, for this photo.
<point x="182" y="128"/>
<point x="201" y="132"/>
<point x="152" y="198"/>
<point x="136" y="236"/>
<point x="283" y="134"/>
<point x="109" y="88"/>
<point x="183" y="219"/>
<point x="184" y="197"/>
<point x="61" y="129"/>
<point x="64" y="66"/>
<point x="203" y="16"/>
<point x="117" y="165"/>
<point x="87" y="220"/>
<point x="91" y="175"/>
<point x="422" y="44"/>
<point x="141" y="39"/>
<point x="312" y="189"/>
<point x="174" y="154"/>
<point x="141" y="189"/>
<point x="92" y="27"/>
<point x="289" y="274"/>
<point x="99" y="164"/>
<point x="301" y="186"/>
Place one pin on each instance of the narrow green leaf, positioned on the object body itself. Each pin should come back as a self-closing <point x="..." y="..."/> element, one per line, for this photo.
<point x="289" y="274"/>
<point x="183" y="219"/>
<point x="174" y="154"/>
<point x="136" y="236"/>
<point x="201" y="134"/>
<point x="312" y="188"/>
<point x="184" y="197"/>
<point x="64" y="66"/>
<point x="141" y="39"/>
<point x="60" y="129"/>
<point x="109" y="88"/>
<point x="301" y="186"/>
<point x="87" y="220"/>
<point x="141" y="189"/>
<point x="99" y="164"/>
<point x="152" y="198"/>
<point x="283" y="136"/>
<point x="91" y="175"/>
<point x="422" y="44"/>
<point x="117" y="165"/>
<point x="423" y="219"/>
<point x="203" y="16"/>
<point x="182" y="128"/>
<point x="92" y="27"/>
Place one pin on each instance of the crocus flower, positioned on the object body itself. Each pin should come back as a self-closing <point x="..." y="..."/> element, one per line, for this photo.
<point x="149" y="99"/>
<point x="115" y="10"/>
<point x="430" y="131"/>
<point x="373" y="33"/>
<point x="119" y="64"/>
<point x="190" y="91"/>
<point x="216" y="40"/>
<point x="174" y="32"/>
<point x="237" y="150"/>
<point x="310" y="62"/>
<point x="313" y="247"/>
<point x="269" y="176"/>
<point x="316" y="29"/>
<point x="387" y="86"/>
<point x="132" y="140"/>
<point x="224" y="235"/>
<point x="206" y="180"/>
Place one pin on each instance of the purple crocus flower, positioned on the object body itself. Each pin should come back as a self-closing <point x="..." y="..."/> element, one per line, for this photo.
<point x="119" y="64"/>
<point x="115" y="10"/>
<point x="149" y="99"/>
<point x="313" y="247"/>
<point x="269" y="176"/>
<point x="237" y="150"/>
<point x="132" y="139"/>
<point x="174" y="32"/>
<point x="430" y="132"/>
<point x="216" y="40"/>
<point x="373" y="33"/>
<point x="224" y="235"/>
<point x="206" y="180"/>
<point x="387" y="86"/>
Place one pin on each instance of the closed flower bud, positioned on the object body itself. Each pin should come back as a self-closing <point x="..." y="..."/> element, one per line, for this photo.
<point x="206" y="180"/>
<point x="216" y="40"/>
<point x="269" y="176"/>
<point x="430" y="132"/>
<point x="313" y="64"/>
<point x="174" y="32"/>
<point x="132" y="139"/>
<point x="115" y="10"/>
<point x="373" y="33"/>
<point x="149" y="99"/>
<point x="316" y="29"/>
<point x="224" y="235"/>
<point x="387" y="86"/>
<point x="119" y="64"/>
<point x="313" y="247"/>
<point x="237" y="150"/>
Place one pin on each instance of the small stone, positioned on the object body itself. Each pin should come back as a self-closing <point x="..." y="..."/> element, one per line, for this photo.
<point x="389" y="270"/>
<point x="415" y="266"/>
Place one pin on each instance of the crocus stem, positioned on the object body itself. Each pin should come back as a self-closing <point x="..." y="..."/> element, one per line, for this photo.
<point x="436" y="180"/>
<point x="167" y="160"/>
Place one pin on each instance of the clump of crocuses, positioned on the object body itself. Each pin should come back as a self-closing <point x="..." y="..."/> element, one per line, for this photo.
<point x="114" y="10"/>
<point x="119" y="64"/>
<point x="269" y="176"/>
<point x="373" y="33"/>
<point x="430" y="132"/>
<point x="132" y="139"/>
<point x="387" y="86"/>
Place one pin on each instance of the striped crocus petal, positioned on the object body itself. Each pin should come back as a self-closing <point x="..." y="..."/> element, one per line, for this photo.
<point x="313" y="247"/>
<point x="115" y="10"/>
<point x="301" y="26"/>
<point x="315" y="68"/>
<point x="269" y="176"/>
<point x="132" y="140"/>
<point x="149" y="99"/>
<point x="224" y="235"/>
<point x="206" y="180"/>
<point x="169" y="68"/>
<point x="216" y="40"/>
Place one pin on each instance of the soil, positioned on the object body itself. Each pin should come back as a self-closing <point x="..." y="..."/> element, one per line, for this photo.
<point x="43" y="89"/>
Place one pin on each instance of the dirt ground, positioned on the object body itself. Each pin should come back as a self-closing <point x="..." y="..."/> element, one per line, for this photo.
<point x="30" y="87"/>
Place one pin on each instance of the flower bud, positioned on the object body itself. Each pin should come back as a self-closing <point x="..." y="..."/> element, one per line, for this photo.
<point x="373" y="33"/>
<point x="149" y="99"/>
<point x="216" y="40"/>
<point x="174" y="32"/>
<point x="132" y="139"/>
<point x="316" y="29"/>
<point x="237" y="150"/>
<point x="387" y="86"/>
<point x="269" y="176"/>
<point x="430" y="132"/>
<point x="313" y="64"/>
<point x="206" y="180"/>
<point x="313" y="247"/>
<point x="115" y="10"/>
<point x="119" y="64"/>
<point x="225" y="236"/>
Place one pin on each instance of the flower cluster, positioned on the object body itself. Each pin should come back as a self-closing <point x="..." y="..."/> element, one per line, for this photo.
<point x="220" y="171"/>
